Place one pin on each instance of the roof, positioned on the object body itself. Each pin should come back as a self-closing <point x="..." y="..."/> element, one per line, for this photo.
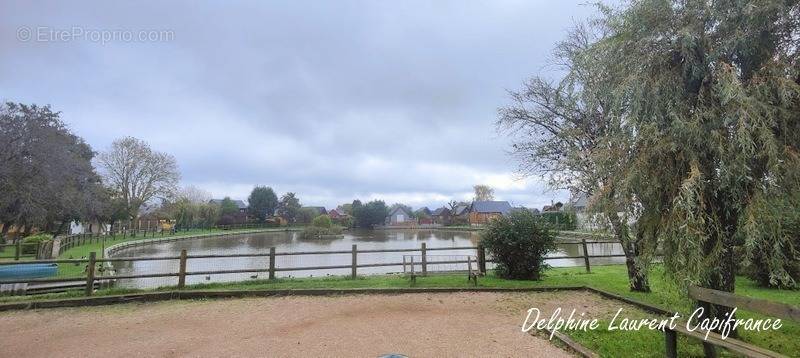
<point x="394" y="211"/>
<point x="424" y="209"/>
<point x="579" y="201"/>
<point x="460" y="209"/>
<point x="337" y="211"/>
<point x="441" y="211"/>
<point x="240" y="204"/>
<point x="502" y="207"/>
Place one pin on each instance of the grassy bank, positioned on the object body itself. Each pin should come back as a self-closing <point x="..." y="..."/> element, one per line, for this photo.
<point x="613" y="278"/>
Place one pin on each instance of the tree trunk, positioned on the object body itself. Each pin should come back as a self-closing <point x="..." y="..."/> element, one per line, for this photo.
<point x="3" y="233"/>
<point x="637" y="278"/>
<point x="724" y="277"/>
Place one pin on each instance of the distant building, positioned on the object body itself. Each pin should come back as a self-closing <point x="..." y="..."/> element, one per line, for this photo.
<point x="441" y="215"/>
<point x="424" y="216"/>
<point x="398" y="215"/>
<point x="337" y="214"/>
<point x="578" y="203"/>
<point x="481" y="212"/>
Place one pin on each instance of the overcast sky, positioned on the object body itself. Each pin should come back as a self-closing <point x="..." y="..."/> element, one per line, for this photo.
<point x="335" y="100"/>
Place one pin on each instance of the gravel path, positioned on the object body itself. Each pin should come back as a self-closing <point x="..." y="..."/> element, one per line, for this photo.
<point x="417" y="325"/>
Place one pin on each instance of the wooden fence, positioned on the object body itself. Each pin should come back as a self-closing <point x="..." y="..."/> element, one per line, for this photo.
<point x="21" y="250"/>
<point x="91" y="277"/>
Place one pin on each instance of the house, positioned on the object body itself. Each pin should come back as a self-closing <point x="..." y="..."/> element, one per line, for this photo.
<point x="423" y="215"/>
<point x="552" y="207"/>
<point x="239" y="204"/>
<point x="578" y="203"/>
<point x="481" y="212"/>
<point x="88" y="227"/>
<point x="338" y="214"/>
<point x="398" y="215"/>
<point x="460" y="214"/>
<point x="441" y="215"/>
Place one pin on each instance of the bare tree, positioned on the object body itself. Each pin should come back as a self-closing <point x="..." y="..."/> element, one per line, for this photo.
<point x="483" y="192"/>
<point x="193" y="194"/>
<point x="137" y="173"/>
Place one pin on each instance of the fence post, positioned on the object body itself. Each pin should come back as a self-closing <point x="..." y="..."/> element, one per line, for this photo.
<point x="671" y="341"/>
<point x="182" y="270"/>
<point x="355" y="261"/>
<point x="271" y="263"/>
<point x="424" y="259"/>
<point x="482" y="259"/>
<point x="585" y="256"/>
<point x="90" y="273"/>
<point x="18" y="250"/>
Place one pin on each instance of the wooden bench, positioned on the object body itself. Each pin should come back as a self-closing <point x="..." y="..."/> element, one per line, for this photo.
<point x="441" y="265"/>
<point x="720" y="298"/>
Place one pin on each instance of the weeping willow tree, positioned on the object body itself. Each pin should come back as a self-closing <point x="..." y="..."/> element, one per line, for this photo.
<point x="710" y="91"/>
<point x="570" y="130"/>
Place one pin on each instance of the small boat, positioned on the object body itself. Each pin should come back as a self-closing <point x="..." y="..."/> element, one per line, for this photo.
<point x="27" y="271"/>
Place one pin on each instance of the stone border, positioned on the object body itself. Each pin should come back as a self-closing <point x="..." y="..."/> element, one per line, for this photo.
<point x="207" y="294"/>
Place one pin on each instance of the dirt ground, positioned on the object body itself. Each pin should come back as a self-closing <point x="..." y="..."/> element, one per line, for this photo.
<point x="416" y="325"/>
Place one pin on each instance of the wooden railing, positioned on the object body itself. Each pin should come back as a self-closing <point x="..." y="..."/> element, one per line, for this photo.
<point x="17" y="251"/>
<point x="707" y="296"/>
<point x="271" y="268"/>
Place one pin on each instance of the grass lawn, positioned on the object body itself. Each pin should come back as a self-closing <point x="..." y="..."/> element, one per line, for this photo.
<point x="612" y="278"/>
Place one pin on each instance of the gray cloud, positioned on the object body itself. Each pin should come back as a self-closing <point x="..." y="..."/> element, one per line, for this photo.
<point x="334" y="100"/>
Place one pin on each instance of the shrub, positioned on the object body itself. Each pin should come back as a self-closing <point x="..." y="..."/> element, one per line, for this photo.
<point x="323" y="221"/>
<point x="30" y="243"/>
<point x="316" y="232"/>
<point x="519" y="243"/>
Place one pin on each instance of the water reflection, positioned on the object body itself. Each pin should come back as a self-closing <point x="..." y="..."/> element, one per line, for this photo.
<point x="292" y="242"/>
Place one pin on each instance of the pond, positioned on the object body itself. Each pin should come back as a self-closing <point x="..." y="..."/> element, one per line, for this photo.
<point x="260" y="243"/>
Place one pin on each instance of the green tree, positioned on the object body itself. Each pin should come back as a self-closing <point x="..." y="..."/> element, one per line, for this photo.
<point x="228" y="207"/>
<point x="710" y="92"/>
<point x="305" y="215"/>
<point x="370" y="214"/>
<point x="289" y="207"/>
<point x="262" y="202"/>
<point x="46" y="175"/>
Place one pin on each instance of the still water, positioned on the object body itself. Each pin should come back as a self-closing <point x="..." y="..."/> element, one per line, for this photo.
<point x="292" y="242"/>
